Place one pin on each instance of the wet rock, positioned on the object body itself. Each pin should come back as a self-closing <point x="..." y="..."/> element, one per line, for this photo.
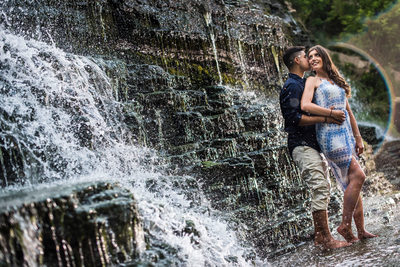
<point x="11" y="158"/>
<point x="386" y="218"/>
<point x="218" y="98"/>
<point x="82" y="224"/>
<point x="183" y="70"/>
<point x="212" y="42"/>
<point x="370" y="134"/>
<point x="234" y="147"/>
<point x="190" y="230"/>
<point x="387" y="160"/>
<point x="145" y="78"/>
<point x="376" y="182"/>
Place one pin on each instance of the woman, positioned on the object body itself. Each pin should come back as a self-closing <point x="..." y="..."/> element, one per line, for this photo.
<point x="340" y="143"/>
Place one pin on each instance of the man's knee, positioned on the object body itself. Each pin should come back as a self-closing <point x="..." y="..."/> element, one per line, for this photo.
<point x="318" y="180"/>
<point x="320" y="197"/>
<point x="322" y="192"/>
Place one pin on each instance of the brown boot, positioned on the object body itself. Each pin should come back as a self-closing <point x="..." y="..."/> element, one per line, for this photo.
<point x="323" y="236"/>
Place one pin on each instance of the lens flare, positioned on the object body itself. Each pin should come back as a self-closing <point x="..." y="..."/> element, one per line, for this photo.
<point x="389" y="130"/>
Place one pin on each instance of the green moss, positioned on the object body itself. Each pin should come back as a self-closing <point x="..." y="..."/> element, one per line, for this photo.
<point x="209" y="164"/>
<point x="203" y="72"/>
<point x="276" y="58"/>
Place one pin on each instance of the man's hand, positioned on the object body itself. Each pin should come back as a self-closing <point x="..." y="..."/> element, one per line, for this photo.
<point x="332" y="120"/>
<point x="338" y="115"/>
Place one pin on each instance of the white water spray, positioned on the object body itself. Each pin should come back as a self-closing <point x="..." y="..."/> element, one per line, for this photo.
<point x="60" y="110"/>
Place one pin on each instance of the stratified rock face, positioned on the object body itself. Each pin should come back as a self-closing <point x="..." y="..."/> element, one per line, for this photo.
<point x="82" y="225"/>
<point x="232" y="142"/>
<point x="208" y="41"/>
<point x="184" y="73"/>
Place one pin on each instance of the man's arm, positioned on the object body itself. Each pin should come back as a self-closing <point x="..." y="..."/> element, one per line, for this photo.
<point x="311" y="120"/>
<point x="308" y="106"/>
<point x="290" y="106"/>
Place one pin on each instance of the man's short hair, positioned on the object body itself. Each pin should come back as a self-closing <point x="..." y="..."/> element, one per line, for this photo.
<point x="290" y="54"/>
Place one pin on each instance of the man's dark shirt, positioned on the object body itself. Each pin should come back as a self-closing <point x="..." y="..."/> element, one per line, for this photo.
<point x="290" y="98"/>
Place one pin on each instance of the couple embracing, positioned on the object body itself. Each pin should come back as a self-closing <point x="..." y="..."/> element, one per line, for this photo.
<point x="322" y="132"/>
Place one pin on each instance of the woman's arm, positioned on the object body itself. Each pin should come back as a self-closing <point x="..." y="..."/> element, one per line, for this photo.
<point x="356" y="131"/>
<point x="308" y="106"/>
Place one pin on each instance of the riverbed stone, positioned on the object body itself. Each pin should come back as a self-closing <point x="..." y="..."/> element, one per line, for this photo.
<point x="87" y="224"/>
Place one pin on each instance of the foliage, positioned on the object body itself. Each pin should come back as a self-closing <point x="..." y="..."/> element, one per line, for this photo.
<point x="381" y="39"/>
<point x="370" y="92"/>
<point x="366" y="25"/>
<point x="381" y="42"/>
<point x="336" y="18"/>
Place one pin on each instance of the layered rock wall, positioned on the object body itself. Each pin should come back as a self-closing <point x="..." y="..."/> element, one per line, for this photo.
<point x="199" y="82"/>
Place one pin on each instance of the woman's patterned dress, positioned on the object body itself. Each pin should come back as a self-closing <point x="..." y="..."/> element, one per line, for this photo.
<point x="336" y="141"/>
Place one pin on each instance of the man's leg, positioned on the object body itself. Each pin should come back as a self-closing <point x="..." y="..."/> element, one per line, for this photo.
<point x="313" y="170"/>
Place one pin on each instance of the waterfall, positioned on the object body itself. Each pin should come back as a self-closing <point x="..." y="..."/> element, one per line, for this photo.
<point x="60" y="114"/>
<point x="242" y="64"/>
<point x="208" y="19"/>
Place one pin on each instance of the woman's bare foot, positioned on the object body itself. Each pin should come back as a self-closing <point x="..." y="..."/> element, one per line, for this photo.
<point x="332" y="243"/>
<point x="364" y="235"/>
<point x="347" y="234"/>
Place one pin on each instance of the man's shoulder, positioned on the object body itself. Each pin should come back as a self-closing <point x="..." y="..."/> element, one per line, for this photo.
<point x="291" y="83"/>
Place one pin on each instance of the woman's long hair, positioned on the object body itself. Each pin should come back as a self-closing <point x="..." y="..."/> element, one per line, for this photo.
<point x="331" y="69"/>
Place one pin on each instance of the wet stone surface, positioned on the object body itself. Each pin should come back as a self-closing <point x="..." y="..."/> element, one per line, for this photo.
<point x="388" y="162"/>
<point x="382" y="218"/>
<point x="198" y="82"/>
<point x="80" y="224"/>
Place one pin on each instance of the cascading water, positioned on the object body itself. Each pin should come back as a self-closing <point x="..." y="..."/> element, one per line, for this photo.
<point x="72" y="128"/>
<point x="51" y="111"/>
<point x="58" y="113"/>
<point x="207" y="18"/>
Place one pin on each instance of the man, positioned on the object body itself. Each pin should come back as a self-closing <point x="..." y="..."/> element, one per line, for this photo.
<point x="303" y="145"/>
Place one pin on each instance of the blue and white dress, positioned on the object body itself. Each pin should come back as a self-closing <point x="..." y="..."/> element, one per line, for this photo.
<point x="336" y="141"/>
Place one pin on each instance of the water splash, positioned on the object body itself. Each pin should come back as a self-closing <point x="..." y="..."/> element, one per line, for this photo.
<point x="382" y="215"/>
<point x="59" y="113"/>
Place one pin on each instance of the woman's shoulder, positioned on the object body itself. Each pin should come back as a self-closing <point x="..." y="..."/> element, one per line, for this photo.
<point x="313" y="81"/>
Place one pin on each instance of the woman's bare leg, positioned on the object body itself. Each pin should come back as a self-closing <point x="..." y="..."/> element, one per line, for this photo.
<point x="359" y="221"/>
<point x="351" y="195"/>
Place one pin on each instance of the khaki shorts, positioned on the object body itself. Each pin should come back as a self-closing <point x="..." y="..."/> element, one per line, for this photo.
<point x="314" y="170"/>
